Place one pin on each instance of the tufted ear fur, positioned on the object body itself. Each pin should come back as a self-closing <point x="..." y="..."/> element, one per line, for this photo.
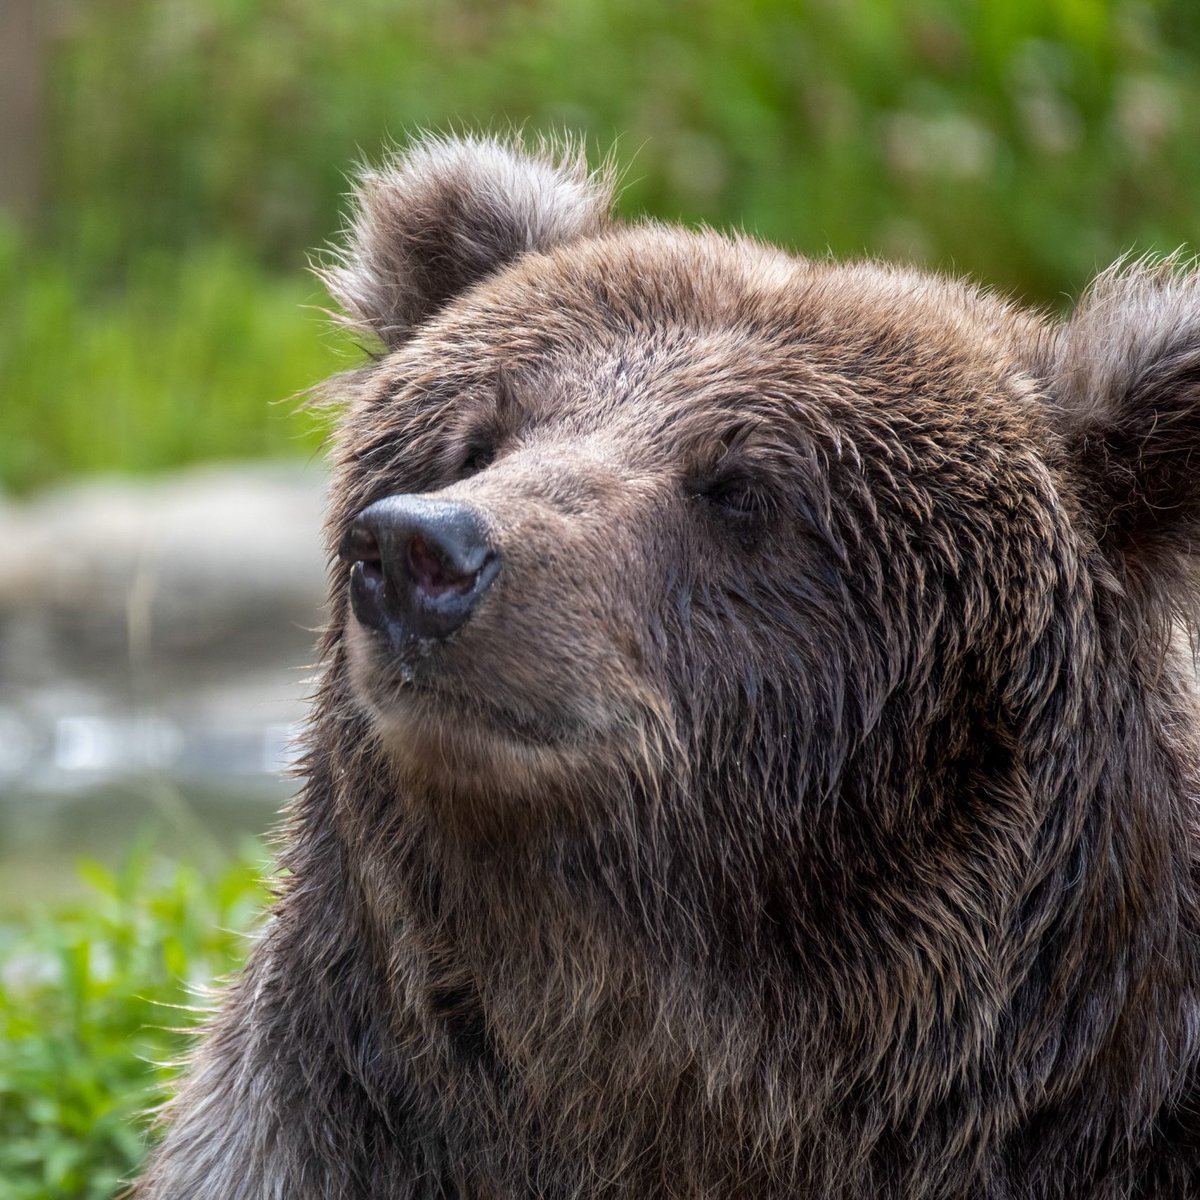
<point x="1125" y="374"/>
<point x="448" y="212"/>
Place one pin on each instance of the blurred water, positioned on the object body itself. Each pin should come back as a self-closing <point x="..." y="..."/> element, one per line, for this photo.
<point x="154" y="638"/>
<point x="81" y="773"/>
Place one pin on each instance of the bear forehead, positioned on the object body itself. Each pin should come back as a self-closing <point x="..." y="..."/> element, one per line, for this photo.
<point x="653" y="281"/>
<point x="694" y="319"/>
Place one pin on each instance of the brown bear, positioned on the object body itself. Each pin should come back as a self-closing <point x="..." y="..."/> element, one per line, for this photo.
<point x="756" y="754"/>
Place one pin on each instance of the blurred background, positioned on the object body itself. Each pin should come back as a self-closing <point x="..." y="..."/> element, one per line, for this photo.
<point x="166" y="169"/>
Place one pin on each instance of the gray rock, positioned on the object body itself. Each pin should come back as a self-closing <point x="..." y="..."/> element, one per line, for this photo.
<point x="214" y="565"/>
<point x="155" y="637"/>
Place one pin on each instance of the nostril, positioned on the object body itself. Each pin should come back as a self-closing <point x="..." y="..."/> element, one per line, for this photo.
<point x="360" y="545"/>
<point x="433" y="574"/>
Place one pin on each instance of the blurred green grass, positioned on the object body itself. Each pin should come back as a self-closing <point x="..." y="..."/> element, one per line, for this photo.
<point x="95" y="999"/>
<point x="196" y="150"/>
<point x="191" y="356"/>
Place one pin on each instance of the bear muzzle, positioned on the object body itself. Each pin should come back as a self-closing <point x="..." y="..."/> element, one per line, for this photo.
<point x="419" y="566"/>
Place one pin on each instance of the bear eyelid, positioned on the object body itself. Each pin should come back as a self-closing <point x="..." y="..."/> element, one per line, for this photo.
<point x="482" y="441"/>
<point x="734" y="493"/>
<point x="480" y="455"/>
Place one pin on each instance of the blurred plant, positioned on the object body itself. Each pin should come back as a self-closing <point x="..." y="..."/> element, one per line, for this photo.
<point x="1022" y="138"/>
<point x="1028" y="143"/>
<point x="93" y="999"/>
<point x="193" y="356"/>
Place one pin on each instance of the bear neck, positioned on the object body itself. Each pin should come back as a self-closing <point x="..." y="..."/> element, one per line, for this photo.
<point x="1030" y="950"/>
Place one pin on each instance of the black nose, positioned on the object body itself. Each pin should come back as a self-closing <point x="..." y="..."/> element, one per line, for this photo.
<point x="420" y="565"/>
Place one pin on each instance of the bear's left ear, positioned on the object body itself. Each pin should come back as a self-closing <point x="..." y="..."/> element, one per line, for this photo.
<point x="448" y="212"/>
<point x="1123" y="375"/>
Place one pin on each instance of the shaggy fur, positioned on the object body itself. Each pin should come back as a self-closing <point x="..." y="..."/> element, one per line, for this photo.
<point x="809" y="807"/>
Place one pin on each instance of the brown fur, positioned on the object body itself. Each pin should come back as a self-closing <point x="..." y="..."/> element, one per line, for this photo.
<point x="808" y="810"/>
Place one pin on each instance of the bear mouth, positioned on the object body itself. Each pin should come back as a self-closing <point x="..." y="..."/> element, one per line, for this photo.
<point x="414" y="694"/>
<point x="455" y="746"/>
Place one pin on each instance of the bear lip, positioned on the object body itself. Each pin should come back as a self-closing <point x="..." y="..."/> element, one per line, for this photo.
<point x="414" y="698"/>
<point x="397" y="679"/>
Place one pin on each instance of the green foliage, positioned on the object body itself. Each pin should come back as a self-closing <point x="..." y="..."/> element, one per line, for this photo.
<point x="1027" y="142"/>
<point x="1020" y="139"/>
<point x="181" y="360"/>
<point x="93" y="1002"/>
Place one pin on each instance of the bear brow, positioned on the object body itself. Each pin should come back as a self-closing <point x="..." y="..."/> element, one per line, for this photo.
<point x="717" y="439"/>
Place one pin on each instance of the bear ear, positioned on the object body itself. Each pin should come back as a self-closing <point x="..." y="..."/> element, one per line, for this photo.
<point x="1124" y="375"/>
<point x="447" y="213"/>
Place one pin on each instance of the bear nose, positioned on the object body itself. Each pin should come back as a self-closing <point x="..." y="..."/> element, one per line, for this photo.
<point x="420" y="565"/>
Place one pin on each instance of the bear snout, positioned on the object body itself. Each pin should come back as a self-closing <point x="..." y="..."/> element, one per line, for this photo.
<point x="419" y="566"/>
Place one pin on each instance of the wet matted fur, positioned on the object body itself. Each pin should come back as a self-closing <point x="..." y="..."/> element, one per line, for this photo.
<point x="808" y="809"/>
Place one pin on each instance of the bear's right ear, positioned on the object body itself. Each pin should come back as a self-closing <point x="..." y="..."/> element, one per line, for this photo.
<point x="1123" y="374"/>
<point x="449" y="212"/>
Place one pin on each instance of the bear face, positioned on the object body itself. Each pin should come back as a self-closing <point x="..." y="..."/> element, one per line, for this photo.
<point x="753" y="757"/>
<point x="712" y="481"/>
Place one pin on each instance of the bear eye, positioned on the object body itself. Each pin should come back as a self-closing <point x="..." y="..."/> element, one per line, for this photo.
<point x="479" y="456"/>
<point x="735" y="496"/>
